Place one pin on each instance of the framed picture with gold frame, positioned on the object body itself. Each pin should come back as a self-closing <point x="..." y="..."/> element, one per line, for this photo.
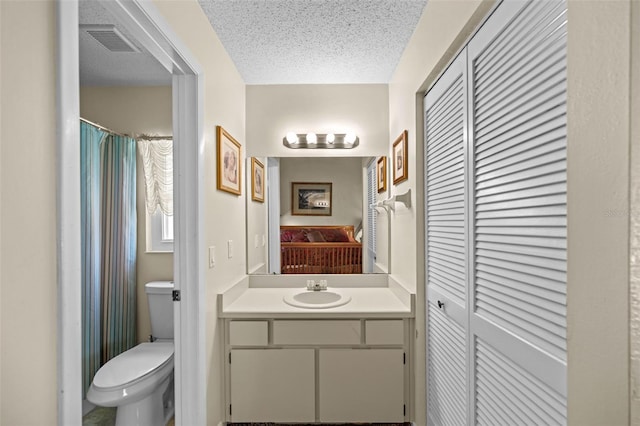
<point x="399" y="158"/>
<point x="381" y="173"/>
<point x="257" y="180"/>
<point x="229" y="164"/>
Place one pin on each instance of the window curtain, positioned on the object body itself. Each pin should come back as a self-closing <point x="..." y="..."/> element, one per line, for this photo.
<point x="109" y="228"/>
<point x="157" y="164"/>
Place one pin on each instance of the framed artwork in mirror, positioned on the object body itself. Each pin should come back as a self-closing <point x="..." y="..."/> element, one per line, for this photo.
<point x="257" y="180"/>
<point x="311" y="199"/>
<point x="381" y="173"/>
<point x="229" y="165"/>
<point x="399" y="159"/>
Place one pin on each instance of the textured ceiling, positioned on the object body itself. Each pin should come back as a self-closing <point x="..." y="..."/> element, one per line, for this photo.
<point x="274" y="42"/>
<point x="314" y="41"/>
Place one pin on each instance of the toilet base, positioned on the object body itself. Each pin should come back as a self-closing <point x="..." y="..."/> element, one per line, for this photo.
<point x="156" y="409"/>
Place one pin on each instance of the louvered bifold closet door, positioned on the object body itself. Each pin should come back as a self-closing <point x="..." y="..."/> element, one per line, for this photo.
<point x="517" y="85"/>
<point x="445" y="245"/>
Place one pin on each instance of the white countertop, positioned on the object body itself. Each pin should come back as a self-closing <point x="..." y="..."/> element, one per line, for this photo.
<point x="245" y="300"/>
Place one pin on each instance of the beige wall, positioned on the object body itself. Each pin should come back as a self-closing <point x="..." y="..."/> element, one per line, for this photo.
<point x="28" y="213"/>
<point x="135" y="111"/>
<point x="224" y="216"/>
<point x="275" y="110"/>
<point x="441" y="31"/>
<point x="598" y="207"/>
<point x="345" y="174"/>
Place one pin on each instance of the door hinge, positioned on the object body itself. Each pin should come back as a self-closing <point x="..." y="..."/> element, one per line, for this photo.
<point x="404" y="410"/>
<point x="176" y="295"/>
<point x="229" y="409"/>
<point x="404" y="357"/>
<point x="229" y="357"/>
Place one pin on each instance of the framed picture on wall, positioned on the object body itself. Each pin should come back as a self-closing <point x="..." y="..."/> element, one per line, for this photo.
<point x="399" y="159"/>
<point x="381" y="173"/>
<point x="311" y="199"/>
<point x="229" y="164"/>
<point x="257" y="180"/>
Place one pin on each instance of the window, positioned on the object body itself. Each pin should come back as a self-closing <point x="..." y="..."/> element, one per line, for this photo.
<point x="159" y="232"/>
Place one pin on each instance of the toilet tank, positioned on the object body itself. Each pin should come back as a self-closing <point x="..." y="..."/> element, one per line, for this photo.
<point x="159" y="295"/>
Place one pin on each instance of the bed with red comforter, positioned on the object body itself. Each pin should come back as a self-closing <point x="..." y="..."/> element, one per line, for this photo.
<point x="319" y="250"/>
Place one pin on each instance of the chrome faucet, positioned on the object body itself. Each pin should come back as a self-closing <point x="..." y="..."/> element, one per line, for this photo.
<point x="313" y="285"/>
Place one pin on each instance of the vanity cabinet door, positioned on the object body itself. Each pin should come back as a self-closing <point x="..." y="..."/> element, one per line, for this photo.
<point x="361" y="385"/>
<point x="272" y="385"/>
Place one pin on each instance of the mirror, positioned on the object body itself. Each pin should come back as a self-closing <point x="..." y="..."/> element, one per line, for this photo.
<point x="338" y="218"/>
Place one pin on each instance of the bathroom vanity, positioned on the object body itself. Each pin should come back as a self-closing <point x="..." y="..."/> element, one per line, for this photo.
<point x="346" y="363"/>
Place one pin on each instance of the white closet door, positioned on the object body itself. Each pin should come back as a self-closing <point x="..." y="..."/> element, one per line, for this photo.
<point x="445" y="245"/>
<point x="495" y="244"/>
<point x="517" y="90"/>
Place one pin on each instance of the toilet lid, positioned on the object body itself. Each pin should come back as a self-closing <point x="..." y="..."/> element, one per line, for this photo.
<point x="133" y="364"/>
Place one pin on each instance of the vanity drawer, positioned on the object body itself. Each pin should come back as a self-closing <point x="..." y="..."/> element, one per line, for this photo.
<point x="321" y="332"/>
<point x="248" y="333"/>
<point x="384" y="332"/>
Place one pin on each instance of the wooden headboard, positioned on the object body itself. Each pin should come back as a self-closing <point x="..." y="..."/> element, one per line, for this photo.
<point x="348" y="229"/>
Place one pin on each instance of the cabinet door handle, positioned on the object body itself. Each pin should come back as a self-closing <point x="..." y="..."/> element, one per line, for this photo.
<point x="440" y="304"/>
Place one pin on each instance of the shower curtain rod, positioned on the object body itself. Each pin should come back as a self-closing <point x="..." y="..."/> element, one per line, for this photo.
<point x="143" y="137"/>
<point x="103" y="128"/>
<point x="152" y="138"/>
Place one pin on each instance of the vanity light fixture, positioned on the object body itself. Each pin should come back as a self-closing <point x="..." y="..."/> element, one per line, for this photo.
<point x="350" y="138"/>
<point x="292" y="138"/>
<point x="311" y="137"/>
<point x="320" y="140"/>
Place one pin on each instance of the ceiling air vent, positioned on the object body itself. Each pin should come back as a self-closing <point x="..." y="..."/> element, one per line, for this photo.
<point x="110" y="37"/>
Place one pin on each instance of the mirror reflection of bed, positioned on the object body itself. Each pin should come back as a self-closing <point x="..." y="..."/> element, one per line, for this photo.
<point x="334" y="243"/>
<point x="319" y="250"/>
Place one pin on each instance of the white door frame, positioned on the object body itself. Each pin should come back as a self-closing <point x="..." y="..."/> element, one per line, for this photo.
<point x="273" y="219"/>
<point x="147" y="25"/>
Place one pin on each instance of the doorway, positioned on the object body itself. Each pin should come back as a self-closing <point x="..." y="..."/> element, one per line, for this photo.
<point x="148" y="27"/>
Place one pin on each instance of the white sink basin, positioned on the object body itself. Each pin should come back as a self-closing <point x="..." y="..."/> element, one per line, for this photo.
<point x="317" y="299"/>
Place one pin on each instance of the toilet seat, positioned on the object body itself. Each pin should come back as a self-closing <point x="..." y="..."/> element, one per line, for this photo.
<point x="131" y="375"/>
<point x="133" y="365"/>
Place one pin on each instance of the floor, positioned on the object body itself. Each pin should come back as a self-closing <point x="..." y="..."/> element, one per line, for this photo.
<point x="100" y="416"/>
<point x="104" y="416"/>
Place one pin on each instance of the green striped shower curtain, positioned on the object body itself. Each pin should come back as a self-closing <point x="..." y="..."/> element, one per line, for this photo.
<point x="108" y="203"/>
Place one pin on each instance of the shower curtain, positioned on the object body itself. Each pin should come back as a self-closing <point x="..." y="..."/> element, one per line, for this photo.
<point x="109" y="227"/>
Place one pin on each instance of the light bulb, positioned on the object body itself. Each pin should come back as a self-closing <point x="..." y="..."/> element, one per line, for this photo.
<point x="311" y="137"/>
<point x="350" y="138"/>
<point x="292" y="138"/>
<point x="331" y="137"/>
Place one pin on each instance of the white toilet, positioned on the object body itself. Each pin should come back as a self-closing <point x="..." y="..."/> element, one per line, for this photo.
<point x="139" y="382"/>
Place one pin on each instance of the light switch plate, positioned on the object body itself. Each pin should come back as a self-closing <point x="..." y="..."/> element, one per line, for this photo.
<point x="212" y="257"/>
